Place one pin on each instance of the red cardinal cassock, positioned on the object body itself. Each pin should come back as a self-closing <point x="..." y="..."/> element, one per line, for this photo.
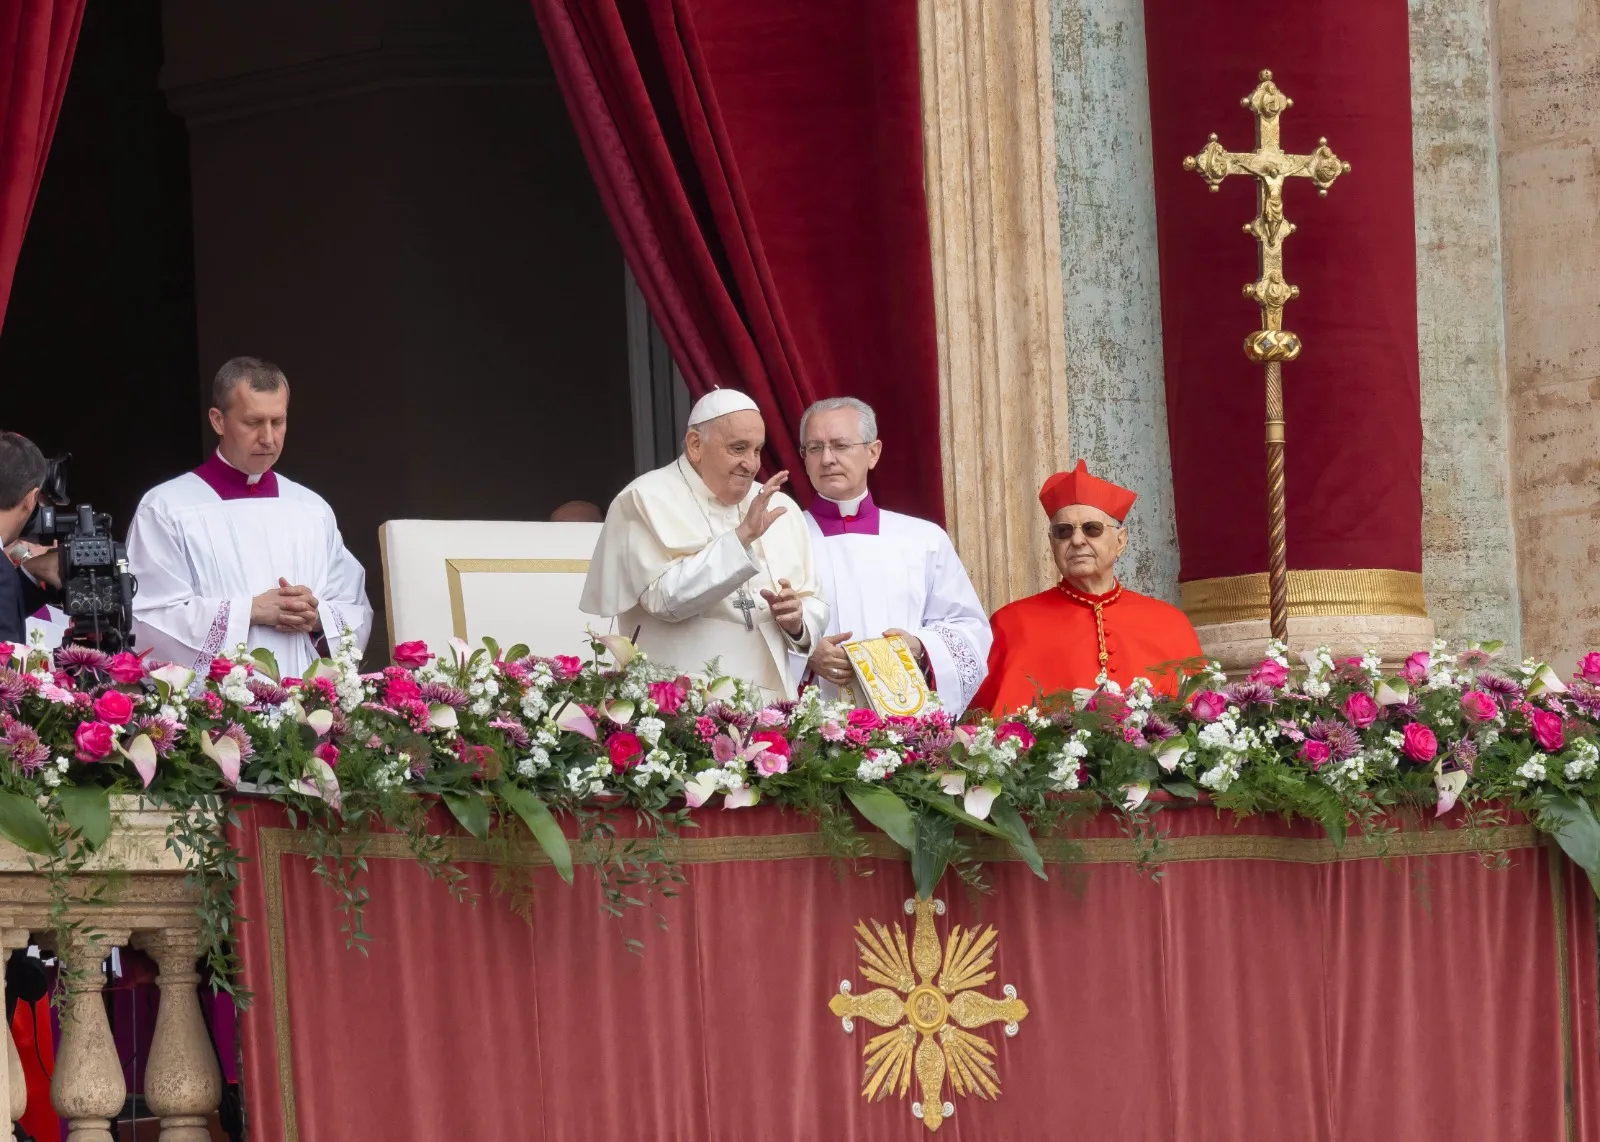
<point x="1054" y="641"/>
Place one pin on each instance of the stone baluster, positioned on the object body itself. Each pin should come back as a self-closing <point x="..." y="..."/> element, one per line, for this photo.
<point x="15" y="1088"/>
<point x="182" y="1083"/>
<point x="88" y="1088"/>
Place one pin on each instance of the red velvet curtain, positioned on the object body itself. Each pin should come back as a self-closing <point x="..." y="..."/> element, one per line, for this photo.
<point x="762" y="166"/>
<point x="1259" y="990"/>
<point x="1352" y="401"/>
<point x="36" y="42"/>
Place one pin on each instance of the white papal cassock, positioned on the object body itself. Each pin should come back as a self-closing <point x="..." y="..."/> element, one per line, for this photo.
<point x="882" y="570"/>
<point x="204" y="545"/>
<point x="670" y="566"/>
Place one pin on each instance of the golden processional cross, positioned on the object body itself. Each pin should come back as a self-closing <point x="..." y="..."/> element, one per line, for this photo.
<point x="1272" y="344"/>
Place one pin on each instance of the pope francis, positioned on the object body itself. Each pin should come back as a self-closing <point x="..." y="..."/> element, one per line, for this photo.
<point x="698" y="562"/>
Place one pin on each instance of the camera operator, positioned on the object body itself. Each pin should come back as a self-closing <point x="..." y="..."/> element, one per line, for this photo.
<point x="29" y="569"/>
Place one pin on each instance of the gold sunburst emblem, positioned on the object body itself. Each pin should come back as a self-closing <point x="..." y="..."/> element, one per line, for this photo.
<point x="929" y="995"/>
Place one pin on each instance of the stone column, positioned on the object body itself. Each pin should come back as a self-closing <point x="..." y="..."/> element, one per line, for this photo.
<point x="1110" y="277"/>
<point x="15" y="1089"/>
<point x="989" y="145"/>
<point x="88" y="1089"/>
<point x="1469" y="548"/>
<point x="182" y="1082"/>
<point x="1547" y="57"/>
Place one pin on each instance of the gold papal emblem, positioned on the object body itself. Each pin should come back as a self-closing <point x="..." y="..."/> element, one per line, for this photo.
<point x="888" y="676"/>
<point x="931" y="996"/>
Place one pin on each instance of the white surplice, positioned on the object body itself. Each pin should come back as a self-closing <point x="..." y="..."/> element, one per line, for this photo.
<point x="881" y="570"/>
<point x="670" y="566"/>
<point x="201" y="555"/>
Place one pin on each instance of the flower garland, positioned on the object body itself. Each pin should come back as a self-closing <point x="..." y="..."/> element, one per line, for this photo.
<point x="507" y="738"/>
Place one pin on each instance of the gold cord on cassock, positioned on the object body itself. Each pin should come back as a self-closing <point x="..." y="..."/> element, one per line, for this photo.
<point x="1096" y="604"/>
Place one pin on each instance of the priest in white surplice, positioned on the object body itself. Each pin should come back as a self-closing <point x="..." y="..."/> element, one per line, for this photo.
<point x="234" y="553"/>
<point x="884" y="573"/>
<point x="704" y="563"/>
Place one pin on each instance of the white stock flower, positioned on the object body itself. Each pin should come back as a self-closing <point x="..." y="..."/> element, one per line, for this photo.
<point x="1532" y="770"/>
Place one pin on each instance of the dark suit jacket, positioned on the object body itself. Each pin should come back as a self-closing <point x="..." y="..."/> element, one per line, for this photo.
<point x="20" y="596"/>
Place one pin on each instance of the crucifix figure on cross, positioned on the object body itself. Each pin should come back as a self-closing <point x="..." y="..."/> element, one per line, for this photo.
<point x="1272" y="344"/>
<point x="746" y="605"/>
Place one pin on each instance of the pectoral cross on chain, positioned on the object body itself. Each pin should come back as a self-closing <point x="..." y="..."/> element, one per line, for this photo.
<point x="1272" y="344"/>
<point x="746" y="604"/>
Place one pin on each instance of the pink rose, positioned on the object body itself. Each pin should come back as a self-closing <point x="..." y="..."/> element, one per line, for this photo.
<point x="775" y="758"/>
<point x="1415" y="671"/>
<point x="1014" y="730"/>
<point x="7" y="650"/>
<point x="567" y="666"/>
<point x="1272" y="673"/>
<point x="113" y="707"/>
<point x="1315" y="754"/>
<point x="220" y="669"/>
<point x="400" y="687"/>
<point x="1588" y="666"/>
<point x="328" y="752"/>
<point x="864" y="719"/>
<point x="1547" y="729"/>
<point x="1208" y="706"/>
<point x="668" y="697"/>
<point x="625" y="749"/>
<point x="412" y="654"/>
<point x="94" y="740"/>
<point x="1420" y="745"/>
<point x="1478" y="706"/>
<point x="126" y="668"/>
<point x="1361" y="709"/>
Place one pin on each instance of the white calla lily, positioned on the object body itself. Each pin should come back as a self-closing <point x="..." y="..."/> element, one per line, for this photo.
<point x="619" y="710"/>
<point x="442" y="716"/>
<point x="741" y="798"/>
<point x="1171" y="754"/>
<point x="1449" y="786"/>
<point x="620" y="647"/>
<point x="320" y="720"/>
<point x="176" y="678"/>
<point x="979" y="799"/>
<point x="574" y="720"/>
<point x="225" y="752"/>
<point x="953" y="783"/>
<point x="720" y="689"/>
<point x="1392" y="692"/>
<point x="1546" y="681"/>
<point x="699" y="788"/>
<point x="1133" y="795"/>
<point x="142" y="752"/>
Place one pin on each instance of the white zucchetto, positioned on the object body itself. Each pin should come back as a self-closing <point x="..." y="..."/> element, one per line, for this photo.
<point x="720" y="402"/>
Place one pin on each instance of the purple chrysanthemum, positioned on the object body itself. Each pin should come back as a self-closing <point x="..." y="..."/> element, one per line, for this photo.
<point x="1250" y="693"/>
<point x="1158" y="729"/>
<point x="81" y="658"/>
<point x="728" y="716"/>
<point x="1499" y="685"/>
<point x="453" y="696"/>
<point x="1466" y="752"/>
<point x="1408" y="709"/>
<point x="22" y="745"/>
<point x="12" y="687"/>
<point x="516" y="733"/>
<point x="1342" y="741"/>
<point x="419" y="765"/>
<point x="241" y="738"/>
<point x="266" y="691"/>
<point x="164" y="733"/>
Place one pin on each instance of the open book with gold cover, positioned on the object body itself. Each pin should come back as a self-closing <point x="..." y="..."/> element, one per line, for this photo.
<point x="887" y="677"/>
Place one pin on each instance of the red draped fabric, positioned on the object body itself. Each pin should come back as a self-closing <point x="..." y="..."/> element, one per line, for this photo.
<point x="1259" y="990"/>
<point x="762" y="166"/>
<point x="1352" y="401"/>
<point x="36" y="42"/>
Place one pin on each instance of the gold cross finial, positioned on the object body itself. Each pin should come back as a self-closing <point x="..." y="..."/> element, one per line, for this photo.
<point x="1269" y="166"/>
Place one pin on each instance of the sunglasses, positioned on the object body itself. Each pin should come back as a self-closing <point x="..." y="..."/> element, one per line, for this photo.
<point x="1062" y="532"/>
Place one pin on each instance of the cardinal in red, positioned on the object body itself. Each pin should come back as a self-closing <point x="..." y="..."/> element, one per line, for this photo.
<point x="1088" y="628"/>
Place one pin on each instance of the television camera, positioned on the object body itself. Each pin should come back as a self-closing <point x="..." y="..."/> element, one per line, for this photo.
<point x="95" y="581"/>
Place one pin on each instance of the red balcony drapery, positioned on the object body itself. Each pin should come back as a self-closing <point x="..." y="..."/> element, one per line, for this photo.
<point x="1260" y="989"/>
<point x="762" y="166"/>
<point x="37" y="38"/>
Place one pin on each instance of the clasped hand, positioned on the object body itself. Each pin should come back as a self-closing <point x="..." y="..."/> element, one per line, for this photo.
<point x="286" y="608"/>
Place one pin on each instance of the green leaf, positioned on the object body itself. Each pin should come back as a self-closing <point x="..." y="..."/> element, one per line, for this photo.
<point x="886" y="811"/>
<point x="1004" y="814"/>
<point x="517" y="653"/>
<point x="265" y="662"/>
<point x="1181" y="789"/>
<point x="950" y="809"/>
<point x="1577" y="831"/>
<point x="494" y="647"/>
<point x="87" y="809"/>
<point x="24" y="825"/>
<point x="471" y="810"/>
<point x="542" y="824"/>
<point x="934" y="842"/>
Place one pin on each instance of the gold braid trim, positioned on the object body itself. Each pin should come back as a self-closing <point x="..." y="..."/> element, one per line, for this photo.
<point x="1237" y="598"/>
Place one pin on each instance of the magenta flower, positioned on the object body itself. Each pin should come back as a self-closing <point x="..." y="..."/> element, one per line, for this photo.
<point x="1589" y="667"/>
<point x="94" y="741"/>
<point x="1547" y="729"/>
<point x="1419" y="743"/>
<point x="668" y="696"/>
<point x="1361" y="710"/>
<point x="1208" y="706"/>
<point x="1478" y="706"/>
<point x="1415" y="671"/>
<point x="1271" y="673"/>
<point x="1315" y="754"/>
<point x="126" y="668"/>
<point x="1014" y="730"/>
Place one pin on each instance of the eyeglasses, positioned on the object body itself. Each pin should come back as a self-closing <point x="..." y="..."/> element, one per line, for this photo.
<point x="815" y="449"/>
<point x="1062" y="532"/>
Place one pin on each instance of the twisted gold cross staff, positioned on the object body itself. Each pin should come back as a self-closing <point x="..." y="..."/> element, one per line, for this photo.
<point x="1272" y="344"/>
